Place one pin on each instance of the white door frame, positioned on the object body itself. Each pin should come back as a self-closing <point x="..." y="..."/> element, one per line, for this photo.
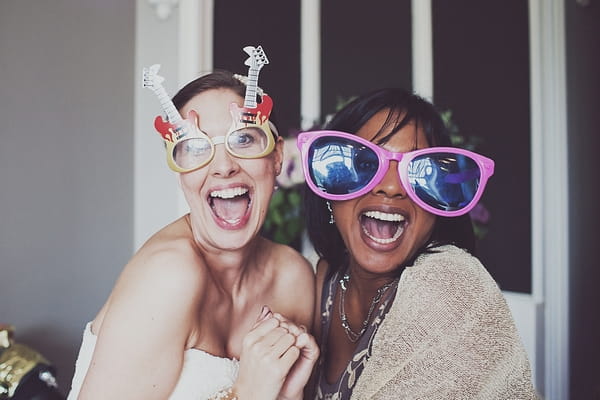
<point x="542" y="316"/>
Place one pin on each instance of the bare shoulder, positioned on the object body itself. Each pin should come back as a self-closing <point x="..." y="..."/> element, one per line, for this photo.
<point x="165" y="273"/>
<point x="290" y="263"/>
<point x="169" y="259"/>
<point x="150" y="314"/>
<point x="293" y="283"/>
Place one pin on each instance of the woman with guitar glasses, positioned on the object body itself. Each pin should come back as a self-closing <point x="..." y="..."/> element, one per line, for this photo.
<point x="405" y="311"/>
<point x="197" y="312"/>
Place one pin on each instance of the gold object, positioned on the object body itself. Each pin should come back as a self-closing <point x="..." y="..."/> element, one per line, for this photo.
<point x="16" y="360"/>
<point x="6" y="334"/>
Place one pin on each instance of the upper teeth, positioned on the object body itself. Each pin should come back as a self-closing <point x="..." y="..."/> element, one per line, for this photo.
<point x="229" y="193"/>
<point x="385" y="216"/>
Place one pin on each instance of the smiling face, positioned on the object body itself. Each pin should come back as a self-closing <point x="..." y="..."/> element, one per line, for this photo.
<point x="384" y="227"/>
<point x="229" y="197"/>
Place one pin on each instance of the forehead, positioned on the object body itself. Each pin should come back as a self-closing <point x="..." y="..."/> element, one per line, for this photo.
<point x="212" y="107"/>
<point x="409" y="137"/>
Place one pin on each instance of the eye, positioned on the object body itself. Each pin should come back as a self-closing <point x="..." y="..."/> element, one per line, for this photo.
<point x="247" y="141"/>
<point x="196" y="147"/>
<point x="244" y="138"/>
<point x="365" y="160"/>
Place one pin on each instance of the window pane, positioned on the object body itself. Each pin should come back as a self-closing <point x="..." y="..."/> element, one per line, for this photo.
<point x="481" y="73"/>
<point x="364" y="47"/>
<point x="275" y="25"/>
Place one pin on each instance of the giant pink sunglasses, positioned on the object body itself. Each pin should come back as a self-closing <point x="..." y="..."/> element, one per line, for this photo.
<point x="445" y="181"/>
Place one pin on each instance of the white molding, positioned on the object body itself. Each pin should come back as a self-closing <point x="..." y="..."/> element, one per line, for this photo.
<point x="188" y="52"/>
<point x="422" y="48"/>
<point x="549" y="163"/>
<point x="163" y="8"/>
<point x="206" y="40"/>
<point x="310" y="63"/>
<point x="195" y="51"/>
<point x="155" y="189"/>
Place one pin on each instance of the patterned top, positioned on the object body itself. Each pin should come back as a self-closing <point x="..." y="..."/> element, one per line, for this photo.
<point x="341" y="389"/>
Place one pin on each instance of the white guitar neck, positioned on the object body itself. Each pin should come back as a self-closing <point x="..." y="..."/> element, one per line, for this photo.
<point x="251" y="88"/>
<point x="168" y="106"/>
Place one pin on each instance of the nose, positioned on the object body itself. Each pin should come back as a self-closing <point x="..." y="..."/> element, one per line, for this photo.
<point x="223" y="164"/>
<point x="390" y="185"/>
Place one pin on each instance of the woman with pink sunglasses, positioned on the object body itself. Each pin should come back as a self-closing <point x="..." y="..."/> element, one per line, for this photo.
<point x="404" y="309"/>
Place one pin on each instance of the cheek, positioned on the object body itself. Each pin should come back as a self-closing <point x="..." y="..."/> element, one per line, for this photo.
<point x="425" y="225"/>
<point x="262" y="170"/>
<point x="343" y="212"/>
<point x="191" y="181"/>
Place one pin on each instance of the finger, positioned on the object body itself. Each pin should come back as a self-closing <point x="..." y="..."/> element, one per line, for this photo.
<point x="289" y="357"/>
<point x="265" y="313"/>
<point x="279" y="317"/>
<point x="308" y="346"/>
<point x="282" y="344"/>
<point x="260" y="330"/>
<point x="274" y="336"/>
<point x="284" y="325"/>
<point x="289" y="325"/>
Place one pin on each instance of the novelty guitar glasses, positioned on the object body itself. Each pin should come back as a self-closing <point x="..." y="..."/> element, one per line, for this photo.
<point x="445" y="181"/>
<point x="188" y="148"/>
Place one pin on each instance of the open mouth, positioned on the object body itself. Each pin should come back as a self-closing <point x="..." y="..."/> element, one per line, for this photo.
<point x="230" y="205"/>
<point x="382" y="227"/>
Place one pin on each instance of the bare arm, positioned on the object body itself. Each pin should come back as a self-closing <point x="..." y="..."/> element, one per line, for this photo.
<point x="143" y="332"/>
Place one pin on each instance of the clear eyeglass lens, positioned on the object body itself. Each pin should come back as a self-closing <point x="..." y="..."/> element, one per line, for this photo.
<point x="445" y="181"/>
<point x="192" y="152"/>
<point x="248" y="141"/>
<point x="340" y="166"/>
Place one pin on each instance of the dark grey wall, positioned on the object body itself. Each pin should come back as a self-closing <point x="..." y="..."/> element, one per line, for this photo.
<point x="66" y="179"/>
<point x="583" y="102"/>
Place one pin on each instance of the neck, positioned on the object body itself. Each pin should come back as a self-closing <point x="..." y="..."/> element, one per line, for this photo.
<point x="357" y="310"/>
<point x="365" y="284"/>
<point x="230" y="268"/>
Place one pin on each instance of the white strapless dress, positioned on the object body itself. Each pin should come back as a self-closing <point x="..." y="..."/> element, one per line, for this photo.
<point x="202" y="374"/>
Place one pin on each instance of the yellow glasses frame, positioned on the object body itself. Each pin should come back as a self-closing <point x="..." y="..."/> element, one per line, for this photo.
<point x="191" y="131"/>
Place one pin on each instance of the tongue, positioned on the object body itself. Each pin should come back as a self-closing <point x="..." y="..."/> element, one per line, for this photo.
<point x="380" y="229"/>
<point x="230" y="209"/>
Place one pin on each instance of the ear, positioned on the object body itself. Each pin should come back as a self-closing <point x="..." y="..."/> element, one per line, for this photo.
<point x="278" y="155"/>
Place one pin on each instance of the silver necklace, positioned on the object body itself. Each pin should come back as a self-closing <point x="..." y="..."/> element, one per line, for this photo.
<point x="354" y="336"/>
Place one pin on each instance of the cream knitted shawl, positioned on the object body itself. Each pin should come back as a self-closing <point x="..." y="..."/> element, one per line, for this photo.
<point x="448" y="335"/>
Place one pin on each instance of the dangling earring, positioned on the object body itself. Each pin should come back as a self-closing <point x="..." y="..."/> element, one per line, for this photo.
<point x="331" y="218"/>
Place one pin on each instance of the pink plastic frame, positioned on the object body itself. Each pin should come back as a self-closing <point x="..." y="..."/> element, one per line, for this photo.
<point x="486" y="167"/>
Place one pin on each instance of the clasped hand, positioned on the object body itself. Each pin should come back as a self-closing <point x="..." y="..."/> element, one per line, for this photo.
<point x="277" y="359"/>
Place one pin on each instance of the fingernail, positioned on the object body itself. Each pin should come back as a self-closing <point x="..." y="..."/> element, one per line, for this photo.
<point x="264" y="313"/>
<point x="303" y="328"/>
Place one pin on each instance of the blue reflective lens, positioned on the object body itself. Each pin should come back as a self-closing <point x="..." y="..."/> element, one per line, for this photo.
<point x="445" y="181"/>
<point x="341" y="166"/>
